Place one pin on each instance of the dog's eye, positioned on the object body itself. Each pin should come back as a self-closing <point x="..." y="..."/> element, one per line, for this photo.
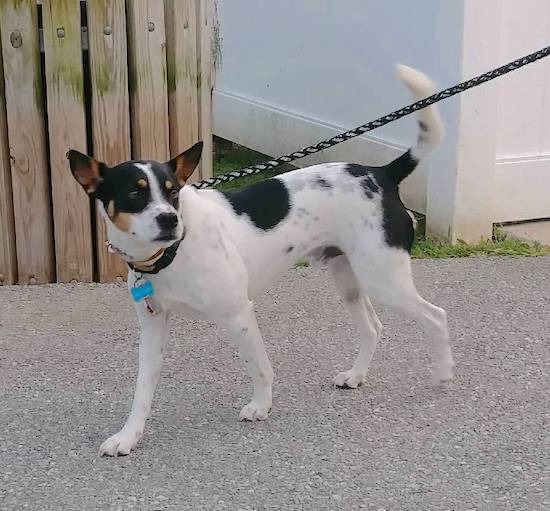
<point x="174" y="194"/>
<point x="134" y="194"/>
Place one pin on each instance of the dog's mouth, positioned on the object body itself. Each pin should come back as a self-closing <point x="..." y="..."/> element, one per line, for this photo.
<point x="168" y="236"/>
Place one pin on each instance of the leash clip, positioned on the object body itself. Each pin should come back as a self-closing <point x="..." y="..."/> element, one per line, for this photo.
<point x="149" y="306"/>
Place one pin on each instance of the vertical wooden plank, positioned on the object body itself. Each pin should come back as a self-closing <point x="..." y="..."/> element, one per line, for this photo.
<point x="8" y="258"/>
<point x="205" y="74"/>
<point x="25" y="114"/>
<point x="182" y="72"/>
<point x="110" y="106"/>
<point x="67" y="130"/>
<point x="148" y="92"/>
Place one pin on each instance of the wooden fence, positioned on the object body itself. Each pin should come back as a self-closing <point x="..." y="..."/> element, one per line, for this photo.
<point x="117" y="79"/>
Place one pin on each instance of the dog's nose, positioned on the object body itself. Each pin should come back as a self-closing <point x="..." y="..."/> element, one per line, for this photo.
<point x="167" y="221"/>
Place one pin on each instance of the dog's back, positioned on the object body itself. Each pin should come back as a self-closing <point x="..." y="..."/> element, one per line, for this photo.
<point x="345" y="206"/>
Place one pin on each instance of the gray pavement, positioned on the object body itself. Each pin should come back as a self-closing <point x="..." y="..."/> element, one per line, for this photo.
<point x="68" y="364"/>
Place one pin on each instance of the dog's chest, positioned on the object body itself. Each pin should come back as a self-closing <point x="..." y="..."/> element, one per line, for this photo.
<point x="205" y="279"/>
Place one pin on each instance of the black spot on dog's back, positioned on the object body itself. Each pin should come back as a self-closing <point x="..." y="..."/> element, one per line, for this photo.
<point x="397" y="224"/>
<point x="357" y="170"/>
<point x="364" y="177"/>
<point x="266" y="203"/>
<point x="323" y="183"/>
<point x="368" y="183"/>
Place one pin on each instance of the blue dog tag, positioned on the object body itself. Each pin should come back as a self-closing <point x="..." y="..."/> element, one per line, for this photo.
<point x="144" y="291"/>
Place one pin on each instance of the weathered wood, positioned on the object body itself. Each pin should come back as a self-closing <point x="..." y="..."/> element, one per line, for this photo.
<point x="158" y="84"/>
<point x="110" y="106"/>
<point x="148" y="92"/>
<point x="26" y="130"/>
<point x="67" y="130"/>
<point x="205" y="80"/>
<point x="182" y="71"/>
<point x="8" y="257"/>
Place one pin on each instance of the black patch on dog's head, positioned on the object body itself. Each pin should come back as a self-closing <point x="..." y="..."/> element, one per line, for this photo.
<point x="266" y="203"/>
<point x="125" y="187"/>
<point x="289" y="249"/>
<point x="126" y="190"/>
<point x="123" y="190"/>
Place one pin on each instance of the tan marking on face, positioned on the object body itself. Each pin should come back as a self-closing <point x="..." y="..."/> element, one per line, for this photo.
<point x="142" y="183"/>
<point x="169" y="185"/>
<point x="122" y="221"/>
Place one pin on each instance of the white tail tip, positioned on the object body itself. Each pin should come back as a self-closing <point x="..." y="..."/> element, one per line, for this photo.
<point x="419" y="84"/>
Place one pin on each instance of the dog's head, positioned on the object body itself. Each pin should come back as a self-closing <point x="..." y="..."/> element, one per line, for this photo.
<point x="139" y="198"/>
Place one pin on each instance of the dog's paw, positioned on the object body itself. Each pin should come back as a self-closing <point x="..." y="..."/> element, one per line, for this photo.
<point x="120" y="444"/>
<point x="443" y="373"/>
<point x="349" y="380"/>
<point x="254" y="411"/>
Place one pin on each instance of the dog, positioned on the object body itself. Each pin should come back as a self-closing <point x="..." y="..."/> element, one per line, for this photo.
<point x="208" y="254"/>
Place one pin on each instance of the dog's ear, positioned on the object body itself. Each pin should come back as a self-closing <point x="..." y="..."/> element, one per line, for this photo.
<point x="184" y="164"/>
<point x="87" y="171"/>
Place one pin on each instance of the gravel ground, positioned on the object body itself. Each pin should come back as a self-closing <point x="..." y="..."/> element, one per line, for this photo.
<point x="68" y="362"/>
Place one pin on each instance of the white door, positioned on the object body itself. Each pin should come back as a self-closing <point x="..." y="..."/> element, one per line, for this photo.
<point x="522" y="173"/>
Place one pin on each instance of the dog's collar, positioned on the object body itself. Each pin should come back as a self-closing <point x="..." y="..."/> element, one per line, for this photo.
<point x="162" y="259"/>
<point x="157" y="262"/>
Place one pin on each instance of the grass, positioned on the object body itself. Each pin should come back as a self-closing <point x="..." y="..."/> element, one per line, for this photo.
<point x="500" y="245"/>
<point x="229" y="156"/>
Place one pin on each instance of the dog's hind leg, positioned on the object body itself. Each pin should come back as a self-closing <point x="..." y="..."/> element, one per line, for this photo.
<point x="244" y="332"/>
<point x="153" y="336"/>
<point x="388" y="280"/>
<point x="364" y="317"/>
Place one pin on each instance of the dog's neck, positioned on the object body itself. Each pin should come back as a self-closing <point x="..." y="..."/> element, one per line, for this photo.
<point x="130" y="249"/>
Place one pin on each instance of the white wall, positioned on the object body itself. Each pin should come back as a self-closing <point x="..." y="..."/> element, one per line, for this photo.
<point x="502" y="167"/>
<point x="524" y="97"/>
<point x="294" y="72"/>
<point x="522" y="173"/>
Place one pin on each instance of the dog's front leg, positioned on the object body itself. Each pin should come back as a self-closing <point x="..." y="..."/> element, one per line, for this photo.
<point x="153" y="336"/>
<point x="243" y="330"/>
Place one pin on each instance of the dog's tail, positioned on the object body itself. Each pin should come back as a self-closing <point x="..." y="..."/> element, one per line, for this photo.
<point x="431" y="129"/>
